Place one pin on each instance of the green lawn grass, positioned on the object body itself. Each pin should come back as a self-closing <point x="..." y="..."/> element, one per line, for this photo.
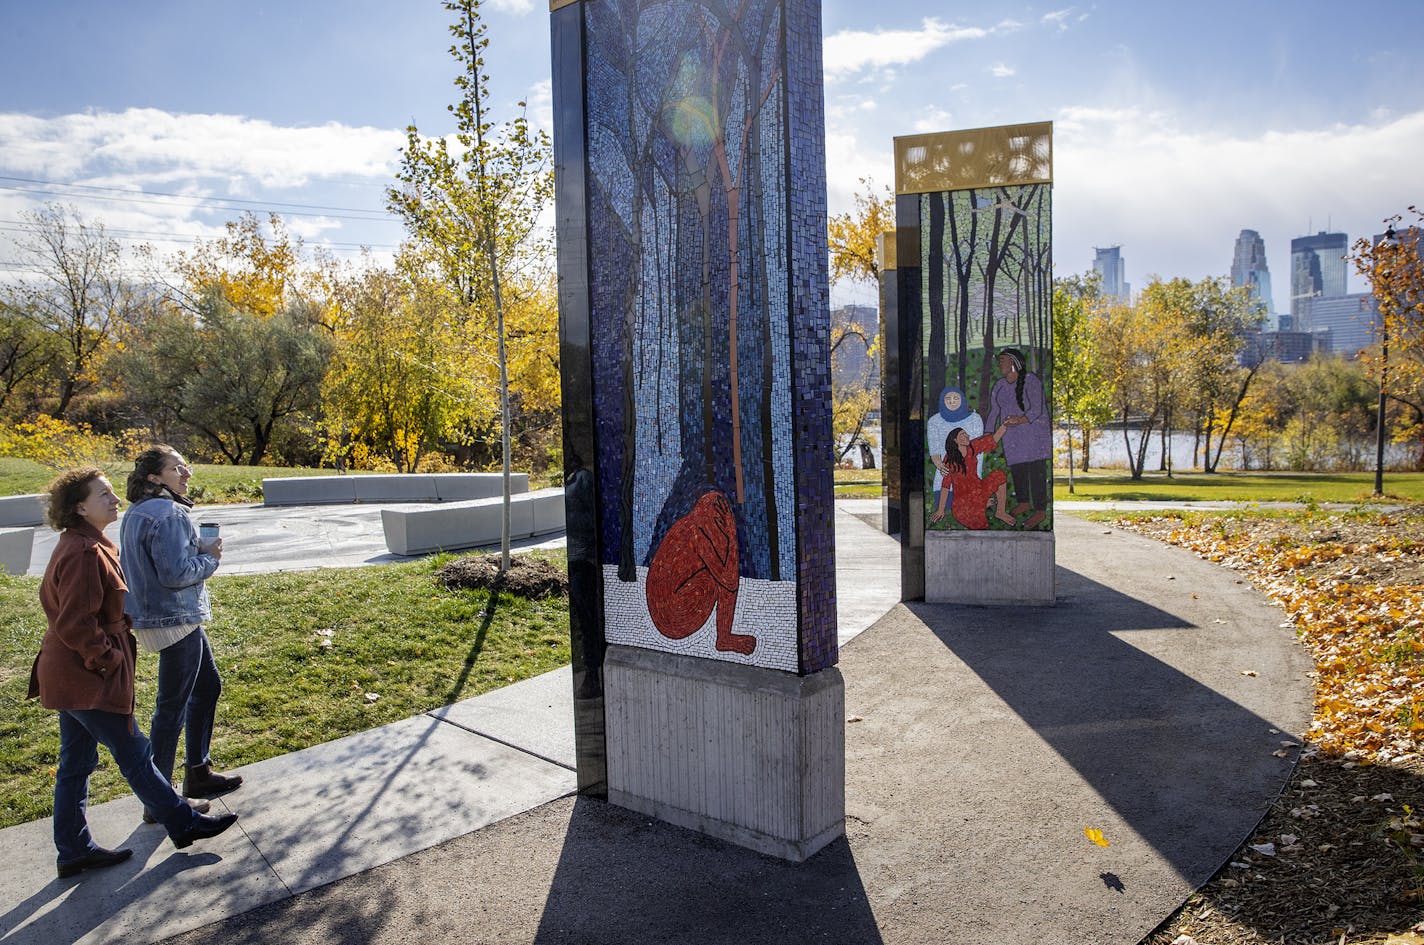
<point x="1238" y="486"/>
<point x="1116" y="485"/>
<point x="393" y="632"/>
<point x="211" y="483"/>
<point x="857" y="483"/>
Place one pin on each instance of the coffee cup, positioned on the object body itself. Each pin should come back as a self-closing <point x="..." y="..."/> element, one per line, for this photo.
<point x="208" y="531"/>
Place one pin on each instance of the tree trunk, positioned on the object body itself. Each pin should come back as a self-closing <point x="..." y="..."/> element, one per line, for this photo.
<point x="1164" y="460"/>
<point x="935" y="359"/>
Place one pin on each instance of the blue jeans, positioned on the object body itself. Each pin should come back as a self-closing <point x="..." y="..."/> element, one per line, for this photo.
<point x="81" y="732"/>
<point x="188" y="690"/>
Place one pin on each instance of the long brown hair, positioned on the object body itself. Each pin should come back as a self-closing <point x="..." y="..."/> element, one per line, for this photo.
<point x="148" y="463"/>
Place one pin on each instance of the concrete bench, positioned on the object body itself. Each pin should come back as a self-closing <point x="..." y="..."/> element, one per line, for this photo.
<point x="16" y="547"/>
<point x="472" y="524"/>
<point x="21" y="510"/>
<point x="434" y="487"/>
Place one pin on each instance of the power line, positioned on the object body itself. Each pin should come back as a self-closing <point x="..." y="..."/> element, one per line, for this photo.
<point x="140" y="236"/>
<point x="162" y="193"/>
<point x="26" y="185"/>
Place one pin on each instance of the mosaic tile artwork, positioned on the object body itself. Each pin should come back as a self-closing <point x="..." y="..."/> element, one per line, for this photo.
<point x="708" y="327"/>
<point x="986" y="297"/>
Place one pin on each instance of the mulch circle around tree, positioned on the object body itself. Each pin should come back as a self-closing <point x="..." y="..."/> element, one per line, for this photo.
<point x="528" y="576"/>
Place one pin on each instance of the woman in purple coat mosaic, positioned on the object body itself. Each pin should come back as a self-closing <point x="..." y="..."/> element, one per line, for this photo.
<point x="1017" y="401"/>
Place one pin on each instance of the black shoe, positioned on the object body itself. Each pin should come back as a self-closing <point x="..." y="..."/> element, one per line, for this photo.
<point x="203" y="782"/>
<point x="205" y="828"/>
<point x="201" y="807"/>
<point x="93" y="860"/>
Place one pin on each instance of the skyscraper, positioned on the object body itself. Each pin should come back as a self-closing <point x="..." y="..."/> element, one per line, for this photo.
<point x="1317" y="271"/>
<point x="1248" y="268"/>
<point x="1344" y="324"/>
<point x="1108" y="263"/>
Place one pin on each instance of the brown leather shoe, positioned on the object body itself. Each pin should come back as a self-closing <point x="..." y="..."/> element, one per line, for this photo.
<point x="202" y="781"/>
<point x="93" y="860"/>
<point x="205" y="827"/>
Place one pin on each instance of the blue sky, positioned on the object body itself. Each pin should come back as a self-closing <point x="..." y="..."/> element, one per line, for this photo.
<point x="1176" y="125"/>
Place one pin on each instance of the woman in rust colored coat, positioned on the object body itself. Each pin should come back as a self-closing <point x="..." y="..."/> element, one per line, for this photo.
<point x="85" y="671"/>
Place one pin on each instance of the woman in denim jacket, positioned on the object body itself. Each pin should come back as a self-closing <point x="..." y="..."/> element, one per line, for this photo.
<point x="168" y="601"/>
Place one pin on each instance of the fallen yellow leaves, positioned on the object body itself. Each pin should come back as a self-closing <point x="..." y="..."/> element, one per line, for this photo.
<point x="1365" y="638"/>
<point x="1095" y="835"/>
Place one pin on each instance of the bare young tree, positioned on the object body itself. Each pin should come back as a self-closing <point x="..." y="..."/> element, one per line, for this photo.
<point x="75" y="292"/>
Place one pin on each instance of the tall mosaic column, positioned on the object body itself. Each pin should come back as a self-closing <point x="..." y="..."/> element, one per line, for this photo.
<point x="694" y="319"/>
<point x="973" y="217"/>
<point x="901" y="413"/>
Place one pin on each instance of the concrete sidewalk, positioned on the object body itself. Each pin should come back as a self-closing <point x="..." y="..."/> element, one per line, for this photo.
<point x="259" y="538"/>
<point x="980" y="743"/>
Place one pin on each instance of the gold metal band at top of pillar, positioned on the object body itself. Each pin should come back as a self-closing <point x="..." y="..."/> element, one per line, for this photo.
<point x="885" y="251"/>
<point x="556" y="4"/>
<point x="980" y="157"/>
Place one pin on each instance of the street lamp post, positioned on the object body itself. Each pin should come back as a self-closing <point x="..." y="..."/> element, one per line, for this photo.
<point x="1381" y="289"/>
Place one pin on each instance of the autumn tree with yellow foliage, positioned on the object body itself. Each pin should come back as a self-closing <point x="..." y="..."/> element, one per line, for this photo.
<point x="252" y="271"/>
<point x="853" y="238"/>
<point x="854" y="234"/>
<point x="398" y="385"/>
<point x="1396" y="275"/>
<point x="473" y="207"/>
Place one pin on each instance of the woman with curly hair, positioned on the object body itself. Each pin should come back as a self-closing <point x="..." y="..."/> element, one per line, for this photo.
<point x="85" y="671"/>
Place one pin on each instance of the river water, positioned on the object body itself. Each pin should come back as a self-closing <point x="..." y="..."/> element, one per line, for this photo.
<point x="1109" y="451"/>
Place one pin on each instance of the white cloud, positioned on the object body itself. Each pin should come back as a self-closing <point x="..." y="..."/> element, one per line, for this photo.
<point x="936" y="119"/>
<point x="1059" y="18"/>
<point x="1176" y="198"/>
<point x="153" y="145"/>
<point x="115" y="168"/>
<point x="519" y="7"/>
<point x="852" y="50"/>
<point x="1001" y="71"/>
<point x="849" y="158"/>
<point x="541" y="105"/>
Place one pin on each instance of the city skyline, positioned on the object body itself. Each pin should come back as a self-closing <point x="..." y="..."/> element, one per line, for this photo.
<point x="306" y="104"/>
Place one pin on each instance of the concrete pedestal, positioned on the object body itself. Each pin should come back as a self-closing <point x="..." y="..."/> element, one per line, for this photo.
<point x="752" y="756"/>
<point x="976" y="567"/>
<point x="16" y="547"/>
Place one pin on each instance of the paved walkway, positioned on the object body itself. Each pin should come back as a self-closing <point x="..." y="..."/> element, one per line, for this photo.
<point x="257" y="538"/>
<point x="980" y="742"/>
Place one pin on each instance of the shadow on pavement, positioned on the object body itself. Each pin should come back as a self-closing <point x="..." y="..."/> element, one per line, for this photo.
<point x="1189" y="768"/>
<point x="87" y="906"/>
<point x="624" y="878"/>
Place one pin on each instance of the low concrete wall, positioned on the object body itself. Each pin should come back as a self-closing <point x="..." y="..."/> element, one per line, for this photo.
<point x="21" y="510"/>
<point x="472" y="524"/>
<point x="752" y="756"/>
<point x="989" y="567"/>
<point x="434" y="487"/>
<point x="16" y="547"/>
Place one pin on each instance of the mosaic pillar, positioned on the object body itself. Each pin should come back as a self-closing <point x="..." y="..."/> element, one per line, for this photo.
<point x="694" y="318"/>
<point x="901" y="420"/>
<point x="973" y="217"/>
